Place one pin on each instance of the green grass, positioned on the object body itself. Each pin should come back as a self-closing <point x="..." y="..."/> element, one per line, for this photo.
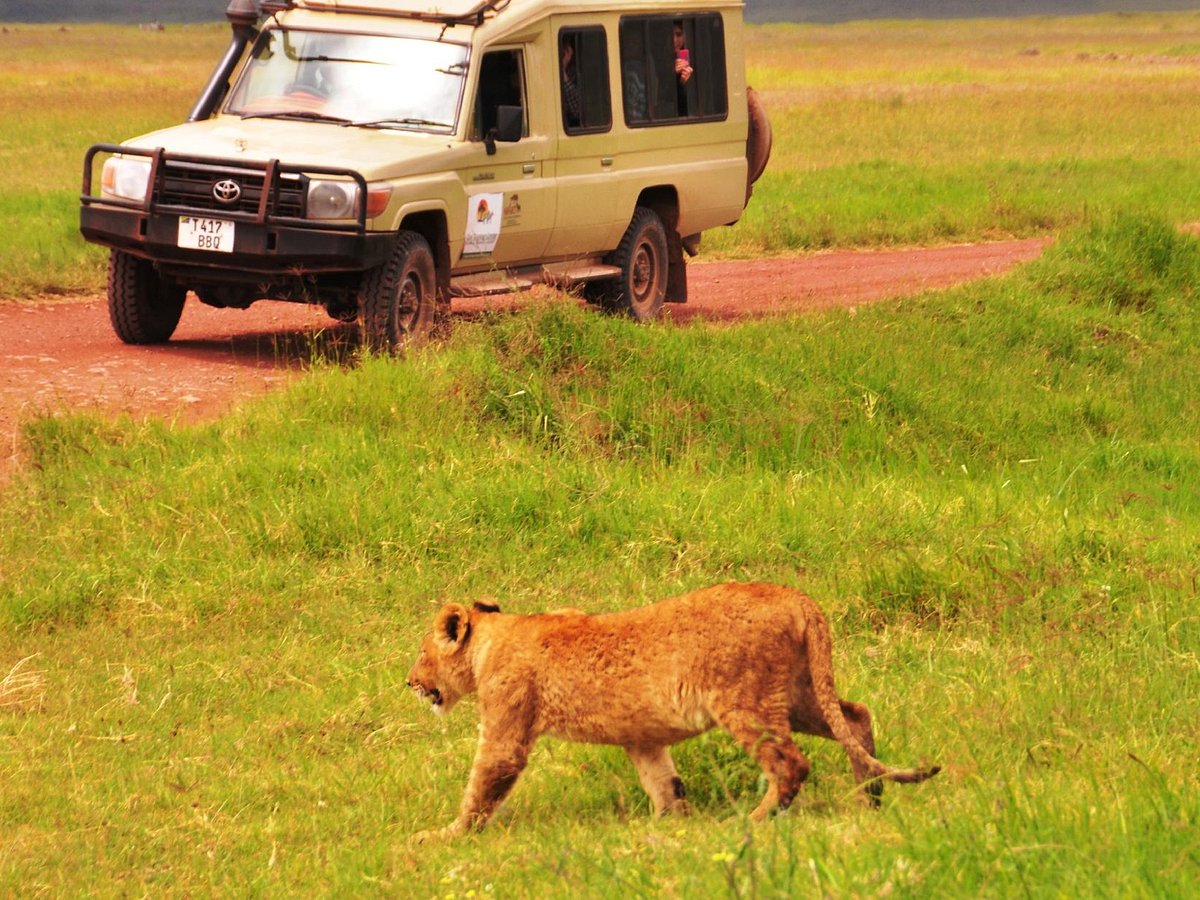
<point x="205" y="629"/>
<point x="69" y="88"/>
<point x="916" y="133"/>
<point x="991" y="490"/>
<point x="886" y="133"/>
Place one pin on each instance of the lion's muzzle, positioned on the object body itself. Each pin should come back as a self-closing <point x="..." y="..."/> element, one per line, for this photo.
<point x="432" y="694"/>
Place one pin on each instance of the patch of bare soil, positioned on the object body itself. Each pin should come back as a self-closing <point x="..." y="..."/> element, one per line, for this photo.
<point x="64" y="356"/>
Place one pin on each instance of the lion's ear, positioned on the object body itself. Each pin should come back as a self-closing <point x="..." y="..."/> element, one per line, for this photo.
<point x="452" y="627"/>
<point x="486" y="606"/>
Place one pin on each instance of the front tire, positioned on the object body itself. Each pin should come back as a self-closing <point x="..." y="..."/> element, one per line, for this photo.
<point x="398" y="301"/>
<point x="641" y="288"/>
<point x="142" y="306"/>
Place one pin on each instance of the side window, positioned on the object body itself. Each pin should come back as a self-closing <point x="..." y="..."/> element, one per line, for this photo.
<point x="583" y="80"/>
<point x="501" y="84"/>
<point x="673" y="69"/>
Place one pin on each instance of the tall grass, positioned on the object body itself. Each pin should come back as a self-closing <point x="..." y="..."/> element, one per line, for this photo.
<point x="992" y="491"/>
<point x="62" y="89"/>
<point x="912" y="133"/>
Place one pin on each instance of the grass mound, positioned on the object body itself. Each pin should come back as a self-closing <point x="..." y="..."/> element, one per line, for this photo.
<point x="770" y="445"/>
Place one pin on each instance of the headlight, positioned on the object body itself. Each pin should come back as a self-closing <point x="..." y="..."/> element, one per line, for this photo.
<point x="332" y="200"/>
<point x="126" y="178"/>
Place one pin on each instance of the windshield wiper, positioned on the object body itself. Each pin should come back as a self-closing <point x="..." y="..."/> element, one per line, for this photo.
<point x="297" y="114"/>
<point x="340" y="59"/>
<point x="384" y="123"/>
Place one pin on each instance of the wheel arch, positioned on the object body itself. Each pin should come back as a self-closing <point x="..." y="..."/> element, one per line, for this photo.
<point x="431" y="224"/>
<point x="664" y="200"/>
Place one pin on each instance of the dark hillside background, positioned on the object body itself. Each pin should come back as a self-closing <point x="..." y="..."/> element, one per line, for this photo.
<point x="756" y="10"/>
<point x="847" y="10"/>
<point x="112" y="10"/>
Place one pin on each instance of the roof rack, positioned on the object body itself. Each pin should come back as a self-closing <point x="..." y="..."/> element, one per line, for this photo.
<point x="476" y="15"/>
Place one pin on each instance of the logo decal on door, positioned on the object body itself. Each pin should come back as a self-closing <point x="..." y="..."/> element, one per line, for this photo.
<point x="512" y="209"/>
<point x="483" y="225"/>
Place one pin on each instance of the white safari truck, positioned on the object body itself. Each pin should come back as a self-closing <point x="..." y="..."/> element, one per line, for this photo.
<point x="378" y="157"/>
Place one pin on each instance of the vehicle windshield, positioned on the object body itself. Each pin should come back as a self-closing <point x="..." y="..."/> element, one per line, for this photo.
<point x="352" y="79"/>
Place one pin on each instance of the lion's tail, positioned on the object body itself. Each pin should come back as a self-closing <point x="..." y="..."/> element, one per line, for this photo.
<point x="820" y="659"/>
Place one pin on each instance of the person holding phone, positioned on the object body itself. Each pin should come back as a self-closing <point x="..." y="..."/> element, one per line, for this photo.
<point x="683" y="61"/>
<point x="683" y="66"/>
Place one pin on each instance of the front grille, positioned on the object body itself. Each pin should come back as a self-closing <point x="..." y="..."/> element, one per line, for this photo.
<point x="191" y="186"/>
<point x="183" y="185"/>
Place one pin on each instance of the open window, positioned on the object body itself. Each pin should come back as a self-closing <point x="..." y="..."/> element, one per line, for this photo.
<point x="583" y="80"/>
<point x="673" y="69"/>
<point x="500" y="108"/>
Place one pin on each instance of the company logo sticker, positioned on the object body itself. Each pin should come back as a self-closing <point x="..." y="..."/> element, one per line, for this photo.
<point x="512" y="209"/>
<point x="483" y="225"/>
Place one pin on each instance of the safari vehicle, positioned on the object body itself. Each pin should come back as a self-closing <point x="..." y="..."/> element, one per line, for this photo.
<point x="378" y="157"/>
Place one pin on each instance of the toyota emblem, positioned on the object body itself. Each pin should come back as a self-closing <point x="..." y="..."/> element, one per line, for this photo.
<point x="227" y="191"/>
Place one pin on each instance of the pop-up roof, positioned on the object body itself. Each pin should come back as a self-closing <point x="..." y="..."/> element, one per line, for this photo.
<point x="467" y="12"/>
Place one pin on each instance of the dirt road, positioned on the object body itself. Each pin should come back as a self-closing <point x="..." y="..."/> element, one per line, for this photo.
<point x="65" y="355"/>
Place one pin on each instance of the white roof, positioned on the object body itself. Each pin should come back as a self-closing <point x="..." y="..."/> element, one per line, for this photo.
<point x="433" y="8"/>
<point x="478" y="10"/>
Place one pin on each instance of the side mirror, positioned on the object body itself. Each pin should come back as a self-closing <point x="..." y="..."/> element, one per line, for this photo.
<point x="508" y="124"/>
<point x="508" y="128"/>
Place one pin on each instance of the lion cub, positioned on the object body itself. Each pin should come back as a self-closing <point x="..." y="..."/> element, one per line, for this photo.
<point x="753" y="659"/>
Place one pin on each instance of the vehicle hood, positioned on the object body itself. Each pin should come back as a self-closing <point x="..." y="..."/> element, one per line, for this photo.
<point x="373" y="152"/>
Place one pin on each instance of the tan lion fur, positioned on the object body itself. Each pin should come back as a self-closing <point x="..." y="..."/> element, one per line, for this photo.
<point x="754" y="659"/>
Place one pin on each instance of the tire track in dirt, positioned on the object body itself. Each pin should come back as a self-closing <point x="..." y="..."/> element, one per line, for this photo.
<point x="63" y="355"/>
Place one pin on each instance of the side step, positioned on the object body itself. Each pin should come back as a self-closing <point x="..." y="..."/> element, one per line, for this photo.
<point x="504" y="281"/>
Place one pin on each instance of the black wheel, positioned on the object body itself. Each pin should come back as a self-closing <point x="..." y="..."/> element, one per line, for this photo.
<point x="398" y="302"/>
<point x="640" y="289"/>
<point x="143" y="307"/>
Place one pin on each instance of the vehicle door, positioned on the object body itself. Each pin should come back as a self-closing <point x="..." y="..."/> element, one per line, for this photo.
<point x="586" y="155"/>
<point x="510" y="201"/>
<point x="679" y="131"/>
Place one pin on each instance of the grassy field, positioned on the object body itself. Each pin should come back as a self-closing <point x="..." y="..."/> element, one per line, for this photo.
<point x="886" y="133"/>
<point x="915" y="133"/>
<point x="69" y="88"/>
<point x="204" y="630"/>
<point x="992" y="491"/>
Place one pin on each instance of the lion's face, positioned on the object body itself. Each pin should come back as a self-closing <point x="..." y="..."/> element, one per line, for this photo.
<point x="442" y="673"/>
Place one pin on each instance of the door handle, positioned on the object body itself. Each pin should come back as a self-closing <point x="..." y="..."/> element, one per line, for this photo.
<point x="529" y="168"/>
<point x="606" y="161"/>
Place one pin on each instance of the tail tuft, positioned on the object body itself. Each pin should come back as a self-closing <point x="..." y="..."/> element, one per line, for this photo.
<point x="912" y="776"/>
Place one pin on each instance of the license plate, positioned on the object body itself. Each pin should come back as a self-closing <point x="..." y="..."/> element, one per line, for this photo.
<point x="206" y="234"/>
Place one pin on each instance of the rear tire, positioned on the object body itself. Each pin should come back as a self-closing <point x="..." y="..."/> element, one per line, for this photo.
<point x="398" y="302"/>
<point x="641" y="288"/>
<point x="142" y="306"/>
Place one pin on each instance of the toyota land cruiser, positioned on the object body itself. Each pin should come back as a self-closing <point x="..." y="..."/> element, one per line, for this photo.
<point x="378" y="157"/>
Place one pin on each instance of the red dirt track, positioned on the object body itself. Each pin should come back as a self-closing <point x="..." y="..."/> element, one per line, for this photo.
<point x="64" y="355"/>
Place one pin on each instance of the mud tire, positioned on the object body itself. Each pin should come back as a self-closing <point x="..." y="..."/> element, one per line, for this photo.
<point x="399" y="304"/>
<point x="142" y="306"/>
<point x="641" y="288"/>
